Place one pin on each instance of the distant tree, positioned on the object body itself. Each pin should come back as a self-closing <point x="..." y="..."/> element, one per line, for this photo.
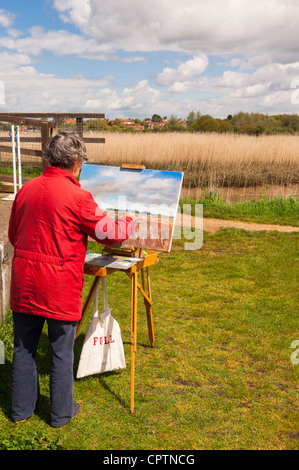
<point x="205" y="124"/>
<point x="290" y="121"/>
<point x="225" y="127"/>
<point x="156" y="118"/>
<point x="247" y="129"/>
<point x="259" y="130"/>
<point x="173" y="120"/>
<point x="209" y="125"/>
<point x="191" y="118"/>
<point x="117" y="122"/>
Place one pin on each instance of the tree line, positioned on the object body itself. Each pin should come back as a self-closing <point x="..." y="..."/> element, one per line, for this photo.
<point x="239" y="123"/>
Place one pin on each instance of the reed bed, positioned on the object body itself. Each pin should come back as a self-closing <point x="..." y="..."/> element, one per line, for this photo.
<point x="209" y="160"/>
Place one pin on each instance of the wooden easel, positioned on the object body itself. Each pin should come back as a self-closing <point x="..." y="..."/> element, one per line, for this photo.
<point x="112" y="260"/>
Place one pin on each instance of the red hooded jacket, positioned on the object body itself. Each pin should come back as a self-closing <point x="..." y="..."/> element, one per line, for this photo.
<point x="51" y="219"/>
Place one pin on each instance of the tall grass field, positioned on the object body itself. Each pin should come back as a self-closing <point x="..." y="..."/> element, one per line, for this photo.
<point x="208" y="160"/>
<point x="237" y="166"/>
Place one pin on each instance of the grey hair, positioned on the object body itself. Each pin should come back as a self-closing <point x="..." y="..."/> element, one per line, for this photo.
<point x="64" y="149"/>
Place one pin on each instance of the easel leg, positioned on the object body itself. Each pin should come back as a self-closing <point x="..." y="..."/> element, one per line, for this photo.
<point x="133" y="331"/>
<point x="149" y="313"/>
<point x="87" y="302"/>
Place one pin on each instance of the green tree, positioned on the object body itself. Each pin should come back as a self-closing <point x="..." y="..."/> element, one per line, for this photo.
<point x="206" y="124"/>
<point x="225" y="127"/>
<point x="193" y="117"/>
<point x="173" y="120"/>
<point x="115" y="128"/>
<point x="259" y="130"/>
<point x="156" y="118"/>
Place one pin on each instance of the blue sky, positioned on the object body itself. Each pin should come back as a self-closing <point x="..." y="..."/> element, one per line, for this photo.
<point x="113" y="187"/>
<point x="135" y="59"/>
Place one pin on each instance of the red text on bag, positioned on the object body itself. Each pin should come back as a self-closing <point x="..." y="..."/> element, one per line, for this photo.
<point x="101" y="338"/>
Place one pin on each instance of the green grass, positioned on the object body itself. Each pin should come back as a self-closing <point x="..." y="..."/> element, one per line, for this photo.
<point x="27" y="173"/>
<point x="278" y="210"/>
<point x="220" y="375"/>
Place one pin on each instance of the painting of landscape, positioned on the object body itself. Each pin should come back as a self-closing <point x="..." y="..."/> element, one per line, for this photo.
<point x="153" y="195"/>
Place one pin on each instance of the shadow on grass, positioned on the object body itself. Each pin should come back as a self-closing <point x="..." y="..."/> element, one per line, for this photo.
<point x="5" y="395"/>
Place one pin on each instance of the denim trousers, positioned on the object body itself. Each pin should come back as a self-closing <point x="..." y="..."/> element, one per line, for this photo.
<point x="25" y="391"/>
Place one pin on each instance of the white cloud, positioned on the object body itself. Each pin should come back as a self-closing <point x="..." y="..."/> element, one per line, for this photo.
<point x="27" y="89"/>
<point x="139" y="98"/>
<point x="219" y="27"/>
<point x="6" y="19"/>
<point x="184" y="72"/>
<point x="182" y="87"/>
<point x="60" y="43"/>
<point x="77" y="12"/>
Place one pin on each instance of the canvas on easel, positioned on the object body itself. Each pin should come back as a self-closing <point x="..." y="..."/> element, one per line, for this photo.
<point x="152" y="194"/>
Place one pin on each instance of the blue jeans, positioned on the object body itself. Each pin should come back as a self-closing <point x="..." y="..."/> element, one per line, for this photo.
<point x="24" y="375"/>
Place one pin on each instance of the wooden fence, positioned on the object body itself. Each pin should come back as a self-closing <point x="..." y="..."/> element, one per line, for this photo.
<point x="35" y="131"/>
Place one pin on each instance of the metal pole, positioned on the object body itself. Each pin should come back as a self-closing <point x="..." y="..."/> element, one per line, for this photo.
<point x="14" y="159"/>
<point x="19" y="157"/>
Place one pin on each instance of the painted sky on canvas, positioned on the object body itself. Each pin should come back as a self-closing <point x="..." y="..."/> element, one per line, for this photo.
<point x="134" y="59"/>
<point x="151" y="191"/>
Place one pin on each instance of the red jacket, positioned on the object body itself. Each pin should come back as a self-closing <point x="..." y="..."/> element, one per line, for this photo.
<point x="51" y="219"/>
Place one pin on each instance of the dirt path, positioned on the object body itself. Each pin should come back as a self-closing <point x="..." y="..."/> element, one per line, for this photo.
<point x="213" y="225"/>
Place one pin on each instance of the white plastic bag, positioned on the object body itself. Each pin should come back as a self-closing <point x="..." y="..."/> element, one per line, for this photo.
<point x="103" y="348"/>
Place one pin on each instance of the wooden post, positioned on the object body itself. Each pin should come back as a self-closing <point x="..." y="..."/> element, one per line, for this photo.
<point x="45" y="140"/>
<point x="79" y="126"/>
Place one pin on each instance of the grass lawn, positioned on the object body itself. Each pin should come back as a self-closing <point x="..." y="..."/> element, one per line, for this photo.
<point x="220" y="375"/>
<point x="277" y="210"/>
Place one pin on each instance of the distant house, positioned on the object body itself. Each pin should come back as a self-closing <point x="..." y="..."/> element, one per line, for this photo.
<point x="183" y="123"/>
<point x="150" y="125"/>
<point x="69" y="121"/>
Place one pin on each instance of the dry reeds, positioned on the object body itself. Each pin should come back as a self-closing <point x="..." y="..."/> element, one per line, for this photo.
<point x="209" y="160"/>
